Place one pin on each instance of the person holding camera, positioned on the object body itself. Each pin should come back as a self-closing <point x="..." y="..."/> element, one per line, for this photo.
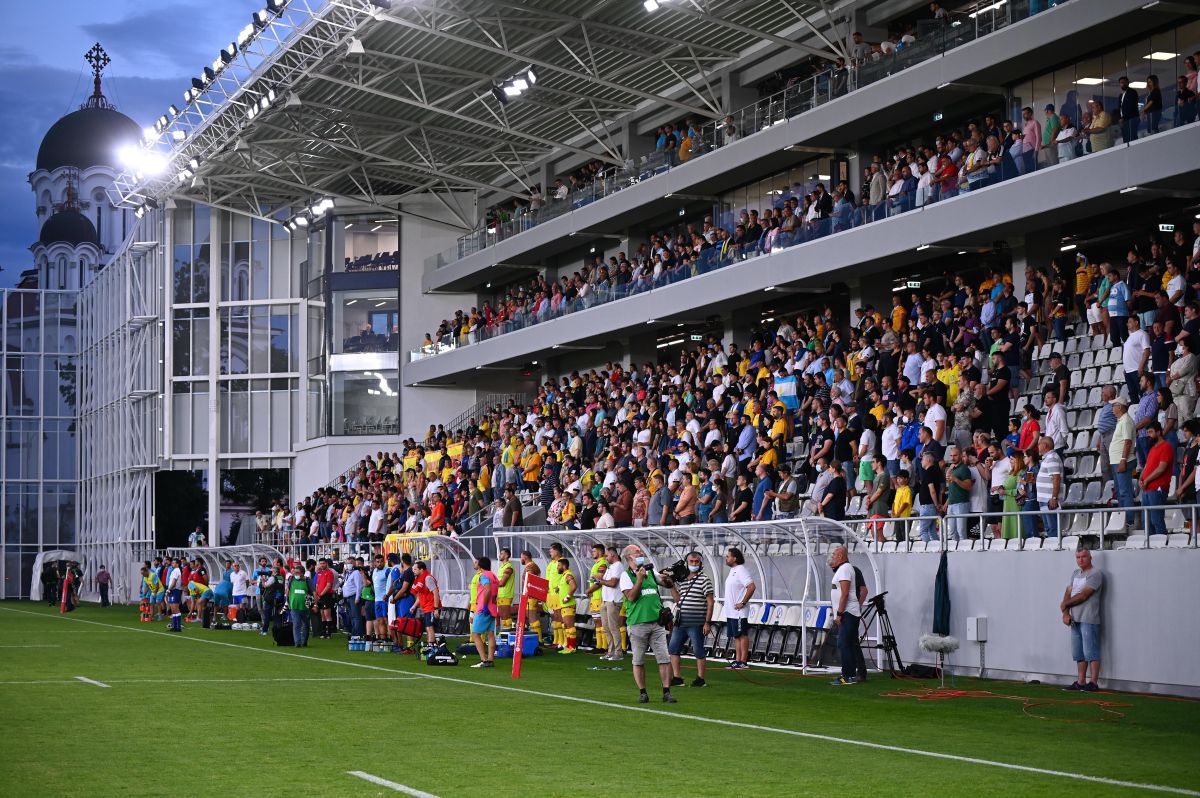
<point x="693" y="594"/>
<point x="643" y="618"/>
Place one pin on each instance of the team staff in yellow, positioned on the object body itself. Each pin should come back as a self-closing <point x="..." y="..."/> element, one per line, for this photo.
<point x="533" y="612"/>
<point x="506" y="576"/>
<point x="595" y="602"/>
<point x="567" y="585"/>
<point x="552" y="599"/>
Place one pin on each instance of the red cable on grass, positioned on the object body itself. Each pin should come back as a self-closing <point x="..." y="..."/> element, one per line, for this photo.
<point x="944" y="694"/>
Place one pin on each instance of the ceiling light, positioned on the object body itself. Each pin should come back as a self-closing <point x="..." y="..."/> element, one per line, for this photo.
<point x="301" y="221"/>
<point x="962" y="252"/>
<point x="1067" y="247"/>
<point x="1137" y="84"/>
<point x="533" y="362"/>
<point x="923" y="247"/>
<point x="499" y="94"/>
<point x="1127" y="189"/>
<point x="994" y="6"/>
<point x="1158" y="55"/>
<point x="1089" y="81"/>
<point x="351" y="302"/>
<point x="511" y="91"/>
<point x="194" y="164"/>
<point x="355" y="46"/>
<point x="769" y="288"/>
<point x="531" y="76"/>
<point x="376" y="227"/>
<point x="650" y="5"/>
<point x="520" y="84"/>
<point x="348" y="225"/>
<point x="822" y="177"/>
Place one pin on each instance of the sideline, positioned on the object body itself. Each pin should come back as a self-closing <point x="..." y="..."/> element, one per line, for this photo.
<point x="86" y="680"/>
<point x="391" y="784"/>
<point x="658" y="712"/>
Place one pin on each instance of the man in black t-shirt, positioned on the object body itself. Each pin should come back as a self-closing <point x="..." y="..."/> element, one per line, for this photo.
<point x="1061" y="379"/>
<point x="931" y="489"/>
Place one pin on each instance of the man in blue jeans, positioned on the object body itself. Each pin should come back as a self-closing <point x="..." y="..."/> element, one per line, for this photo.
<point x="847" y="611"/>
<point x="1123" y="457"/>
<point x="1156" y="478"/>
<point x="1080" y="609"/>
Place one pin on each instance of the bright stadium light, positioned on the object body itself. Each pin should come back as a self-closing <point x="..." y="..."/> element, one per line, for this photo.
<point x="531" y="76"/>
<point x="229" y="52"/>
<point x="650" y="5"/>
<point x="247" y="33"/>
<point x="260" y="18"/>
<point x="276" y="7"/>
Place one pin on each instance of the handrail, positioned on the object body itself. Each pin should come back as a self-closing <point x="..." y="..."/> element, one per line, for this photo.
<point x="801" y="96"/>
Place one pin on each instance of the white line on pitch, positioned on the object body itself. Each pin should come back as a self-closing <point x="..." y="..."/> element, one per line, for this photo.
<point x="391" y="785"/>
<point x="86" y="680"/>
<point x="660" y="713"/>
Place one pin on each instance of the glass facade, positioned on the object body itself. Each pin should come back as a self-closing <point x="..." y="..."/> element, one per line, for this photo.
<point x="38" y="432"/>
<point x="365" y="243"/>
<point x="366" y="402"/>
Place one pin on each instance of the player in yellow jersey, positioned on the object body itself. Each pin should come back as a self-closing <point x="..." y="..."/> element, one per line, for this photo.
<point x="595" y="597"/>
<point x="506" y="576"/>
<point x="552" y="602"/>
<point x="533" y="610"/>
<point x="567" y="585"/>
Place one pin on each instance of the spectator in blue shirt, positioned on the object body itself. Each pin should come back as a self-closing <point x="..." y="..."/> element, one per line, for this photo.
<point x="1118" y="307"/>
<point x="761" y="506"/>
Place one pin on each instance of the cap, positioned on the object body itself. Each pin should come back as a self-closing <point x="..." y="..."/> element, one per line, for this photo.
<point x="1120" y="401"/>
<point x="1049" y="106"/>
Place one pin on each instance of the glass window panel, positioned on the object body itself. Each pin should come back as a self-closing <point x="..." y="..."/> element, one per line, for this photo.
<point x="260" y="419"/>
<point x="280" y="417"/>
<point x="22" y="449"/>
<point x="31" y="387"/>
<point x="281" y="265"/>
<point x="183" y="273"/>
<point x="260" y="339"/>
<point x="316" y="408"/>
<point x="59" y="386"/>
<point x="260" y="259"/>
<point x="181" y="343"/>
<point x="365" y="403"/>
<point x="201" y="273"/>
<point x="280" y="340"/>
<point x="202" y="218"/>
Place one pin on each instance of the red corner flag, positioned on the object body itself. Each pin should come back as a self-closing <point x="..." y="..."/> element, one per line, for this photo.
<point x="533" y="587"/>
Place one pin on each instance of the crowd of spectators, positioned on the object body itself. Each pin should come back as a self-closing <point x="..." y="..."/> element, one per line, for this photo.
<point x="912" y="411"/>
<point x="979" y="154"/>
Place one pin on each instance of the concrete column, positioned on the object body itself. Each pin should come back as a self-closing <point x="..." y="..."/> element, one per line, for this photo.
<point x="641" y="349"/>
<point x="216" y="253"/>
<point x="1032" y="250"/>
<point x="737" y="326"/>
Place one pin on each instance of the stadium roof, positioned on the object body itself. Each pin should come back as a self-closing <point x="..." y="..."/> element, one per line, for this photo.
<point x="346" y="98"/>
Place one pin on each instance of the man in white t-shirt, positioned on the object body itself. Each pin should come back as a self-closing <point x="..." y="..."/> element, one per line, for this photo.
<point x="847" y="611"/>
<point x="1001" y="467"/>
<point x="739" y="587"/>
<point x="935" y="418"/>
<point x="611" y="603"/>
<point x="241" y="585"/>
<point x="1134" y="355"/>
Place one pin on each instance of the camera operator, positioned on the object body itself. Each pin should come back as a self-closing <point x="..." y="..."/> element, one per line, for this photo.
<point x="694" y="602"/>
<point x="847" y="609"/>
<point x="643" y="614"/>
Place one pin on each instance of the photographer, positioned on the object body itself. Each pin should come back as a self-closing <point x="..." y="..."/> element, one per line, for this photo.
<point x="643" y="617"/>
<point x="693" y="594"/>
<point x="270" y="590"/>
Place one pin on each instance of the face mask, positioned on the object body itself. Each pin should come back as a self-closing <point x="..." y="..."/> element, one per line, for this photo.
<point x="639" y="560"/>
<point x="693" y="568"/>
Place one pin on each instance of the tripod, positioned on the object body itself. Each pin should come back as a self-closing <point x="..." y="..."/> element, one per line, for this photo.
<point x="874" y="609"/>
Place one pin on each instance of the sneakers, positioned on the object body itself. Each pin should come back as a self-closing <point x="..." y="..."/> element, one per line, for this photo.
<point x="1091" y="687"/>
<point x="1074" y="688"/>
<point x="668" y="698"/>
<point x="842" y="681"/>
<point x="676" y="681"/>
<point x="698" y="682"/>
<point x="643" y="698"/>
<point x="483" y="663"/>
<point x="567" y="651"/>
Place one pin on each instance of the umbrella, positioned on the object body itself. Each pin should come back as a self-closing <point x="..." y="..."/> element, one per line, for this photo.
<point x="941" y="599"/>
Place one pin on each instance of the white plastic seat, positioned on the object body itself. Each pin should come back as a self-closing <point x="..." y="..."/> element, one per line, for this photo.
<point x="1089" y="467"/>
<point x="1105" y="375"/>
<point x="1074" y="494"/>
<point x="1093" y="397"/>
<point x="1080" y="444"/>
<point x="1072" y="346"/>
<point x="1099" y="341"/>
<point x="1091" y="493"/>
<point x="1073" y="361"/>
<point x="1079" y="398"/>
<point x="888" y="547"/>
<point x="1085" y="420"/>
<point x="1089" y="378"/>
<point x="1070" y="542"/>
<point x="1134" y="542"/>
<point x="999" y="544"/>
<point x="1158" y="541"/>
<point x="1086" y="361"/>
<point x="1177" y="539"/>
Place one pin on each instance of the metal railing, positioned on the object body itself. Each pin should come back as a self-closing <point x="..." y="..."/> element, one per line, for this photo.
<point x="1178" y="521"/>
<point x="1002" y="167"/>
<point x="935" y="37"/>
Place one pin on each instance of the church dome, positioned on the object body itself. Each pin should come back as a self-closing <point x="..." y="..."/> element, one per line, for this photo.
<point x="88" y="137"/>
<point x="68" y="226"/>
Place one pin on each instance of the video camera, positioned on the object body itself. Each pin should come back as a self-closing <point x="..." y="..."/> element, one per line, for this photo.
<point x="678" y="571"/>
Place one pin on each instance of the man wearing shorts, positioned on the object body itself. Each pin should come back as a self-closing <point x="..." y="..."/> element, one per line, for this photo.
<point x="484" y="611"/>
<point x="553" y="604"/>
<point x="739" y="587"/>
<point x="642" y="609"/>
<point x="533" y="610"/>
<point x="595" y="595"/>
<point x="325" y="596"/>
<point x="240" y="581"/>
<point x="506" y="576"/>
<point x="567" y="585"/>
<point x="174" y="585"/>
<point x="428" y="598"/>
<point x="1080" y="609"/>
<point x="379" y="585"/>
<point x="402" y="598"/>
<point x="152" y="588"/>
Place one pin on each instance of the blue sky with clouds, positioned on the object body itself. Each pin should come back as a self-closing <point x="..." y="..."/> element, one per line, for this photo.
<point x="155" y="48"/>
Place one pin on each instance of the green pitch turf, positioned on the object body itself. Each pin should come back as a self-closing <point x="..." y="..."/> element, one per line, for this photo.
<point x="235" y="716"/>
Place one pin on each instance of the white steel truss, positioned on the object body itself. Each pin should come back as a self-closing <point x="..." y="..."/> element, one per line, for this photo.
<point x="340" y="98"/>
<point x="120" y="406"/>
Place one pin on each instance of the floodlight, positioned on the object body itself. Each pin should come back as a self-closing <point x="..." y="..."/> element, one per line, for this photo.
<point x="520" y="84"/>
<point x="276" y="7"/>
<point x="531" y="76"/>
<point x="173" y="110"/>
<point x="229" y="52"/>
<point x="260" y="18"/>
<point x="512" y="91"/>
<point x="500" y="96"/>
<point x="650" y="5"/>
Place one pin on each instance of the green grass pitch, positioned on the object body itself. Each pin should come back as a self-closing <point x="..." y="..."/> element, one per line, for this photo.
<point x="236" y="716"/>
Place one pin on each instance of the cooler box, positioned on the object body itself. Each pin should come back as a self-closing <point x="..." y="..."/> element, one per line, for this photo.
<point x="508" y="638"/>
